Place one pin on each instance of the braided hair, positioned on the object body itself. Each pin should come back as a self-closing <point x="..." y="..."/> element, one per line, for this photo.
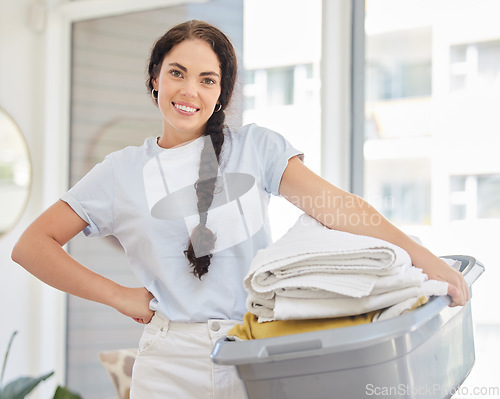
<point x="202" y="240"/>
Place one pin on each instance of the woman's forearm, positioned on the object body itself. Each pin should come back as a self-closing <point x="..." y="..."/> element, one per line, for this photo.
<point x="40" y="251"/>
<point x="355" y="215"/>
<point x="341" y="210"/>
<point x="44" y="258"/>
<point x="344" y="211"/>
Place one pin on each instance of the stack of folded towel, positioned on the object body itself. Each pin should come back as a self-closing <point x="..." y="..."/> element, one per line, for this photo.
<point x="316" y="272"/>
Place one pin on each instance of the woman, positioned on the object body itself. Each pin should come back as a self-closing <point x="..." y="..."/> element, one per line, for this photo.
<point x="190" y="210"/>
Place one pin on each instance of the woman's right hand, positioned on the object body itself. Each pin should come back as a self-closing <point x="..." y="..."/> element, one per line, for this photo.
<point x="134" y="303"/>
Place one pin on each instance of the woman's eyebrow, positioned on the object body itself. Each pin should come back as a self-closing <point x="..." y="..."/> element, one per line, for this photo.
<point x="209" y="74"/>
<point x="175" y="64"/>
<point x="184" y="69"/>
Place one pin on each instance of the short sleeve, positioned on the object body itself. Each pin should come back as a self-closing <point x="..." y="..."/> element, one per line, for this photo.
<point x="274" y="152"/>
<point x="92" y="198"/>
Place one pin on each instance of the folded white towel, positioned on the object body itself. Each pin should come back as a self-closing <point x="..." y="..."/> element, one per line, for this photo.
<point x="263" y="308"/>
<point x="286" y="308"/>
<point x="399" y="308"/>
<point x="316" y="272"/>
<point x="312" y="255"/>
<point x="406" y="277"/>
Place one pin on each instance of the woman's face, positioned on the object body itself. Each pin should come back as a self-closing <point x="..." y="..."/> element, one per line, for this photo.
<point x="189" y="85"/>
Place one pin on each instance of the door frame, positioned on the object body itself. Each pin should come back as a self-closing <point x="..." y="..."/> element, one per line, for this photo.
<point x="58" y="19"/>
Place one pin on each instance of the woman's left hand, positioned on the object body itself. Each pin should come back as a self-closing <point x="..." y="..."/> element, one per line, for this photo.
<point x="457" y="286"/>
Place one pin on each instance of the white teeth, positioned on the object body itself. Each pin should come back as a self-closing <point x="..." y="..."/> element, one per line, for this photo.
<point x="185" y="108"/>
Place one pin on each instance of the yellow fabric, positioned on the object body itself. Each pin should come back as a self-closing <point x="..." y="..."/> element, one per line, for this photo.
<point x="252" y="329"/>
<point x="419" y="302"/>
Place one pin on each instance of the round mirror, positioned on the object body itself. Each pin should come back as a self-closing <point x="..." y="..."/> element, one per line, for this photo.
<point x="15" y="173"/>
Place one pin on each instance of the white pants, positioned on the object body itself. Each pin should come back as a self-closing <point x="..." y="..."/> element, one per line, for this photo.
<point x="174" y="362"/>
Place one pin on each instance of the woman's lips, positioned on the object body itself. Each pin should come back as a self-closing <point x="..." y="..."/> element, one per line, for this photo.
<point x="185" y="108"/>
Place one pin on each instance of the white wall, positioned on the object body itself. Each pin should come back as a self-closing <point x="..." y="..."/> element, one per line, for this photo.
<point x="26" y="305"/>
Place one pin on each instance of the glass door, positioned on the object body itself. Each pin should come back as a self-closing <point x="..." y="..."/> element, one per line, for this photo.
<point x="111" y="109"/>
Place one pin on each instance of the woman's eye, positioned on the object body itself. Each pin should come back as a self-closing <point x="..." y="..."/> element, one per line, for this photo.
<point x="176" y="73"/>
<point x="208" y="81"/>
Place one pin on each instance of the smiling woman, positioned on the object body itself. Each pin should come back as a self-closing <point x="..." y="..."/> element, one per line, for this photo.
<point x="191" y="292"/>
<point x="15" y="173"/>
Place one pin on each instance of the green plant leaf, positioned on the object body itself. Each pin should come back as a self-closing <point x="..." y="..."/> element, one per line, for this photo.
<point x="6" y="357"/>
<point x="64" y="393"/>
<point x="22" y="386"/>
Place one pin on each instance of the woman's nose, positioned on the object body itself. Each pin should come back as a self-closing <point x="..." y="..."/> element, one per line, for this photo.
<point x="189" y="88"/>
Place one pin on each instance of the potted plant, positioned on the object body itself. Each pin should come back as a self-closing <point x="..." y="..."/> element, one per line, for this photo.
<point x="22" y="386"/>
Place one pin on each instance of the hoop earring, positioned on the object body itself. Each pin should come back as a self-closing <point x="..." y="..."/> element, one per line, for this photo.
<point x="218" y="109"/>
<point x="153" y="94"/>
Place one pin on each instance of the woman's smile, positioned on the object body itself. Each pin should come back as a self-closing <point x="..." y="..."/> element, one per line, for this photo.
<point x="185" y="108"/>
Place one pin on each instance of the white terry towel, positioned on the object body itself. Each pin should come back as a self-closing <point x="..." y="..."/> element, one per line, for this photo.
<point x="286" y="308"/>
<point x="406" y="277"/>
<point x="316" y="272"/>
<point x="311" y="255"/>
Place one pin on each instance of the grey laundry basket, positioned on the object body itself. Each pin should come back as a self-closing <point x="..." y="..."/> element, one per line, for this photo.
<point x="426" y="353"/>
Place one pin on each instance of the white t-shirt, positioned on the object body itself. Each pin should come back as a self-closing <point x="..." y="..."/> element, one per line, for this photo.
<point x="145" y="197"/>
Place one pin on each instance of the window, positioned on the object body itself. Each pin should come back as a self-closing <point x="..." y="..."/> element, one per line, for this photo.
<point x="282" y="82"/>
<point x="475" y="65"/>
<point x="399" y="65"/>
<point x="431" y="138"/>
<point x="279" y="86"/>
<point x="475" y="197"/>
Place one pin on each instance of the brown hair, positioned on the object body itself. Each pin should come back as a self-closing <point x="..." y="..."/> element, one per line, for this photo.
<point x="202" y="238"/>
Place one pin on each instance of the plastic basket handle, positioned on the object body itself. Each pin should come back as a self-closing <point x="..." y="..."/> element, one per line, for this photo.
<point x="290" y="349"/>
